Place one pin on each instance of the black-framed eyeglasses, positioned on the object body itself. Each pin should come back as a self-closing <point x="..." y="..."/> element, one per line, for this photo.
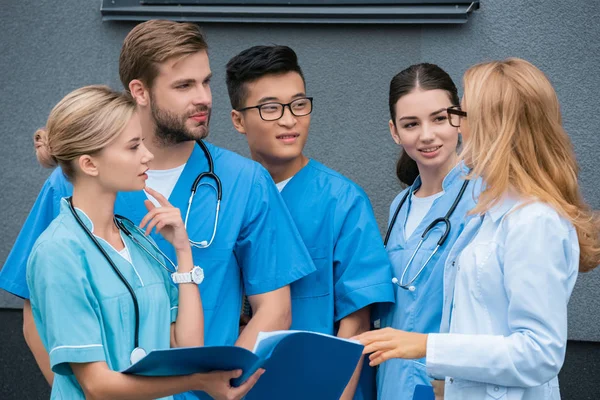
<point x="455" y="115"/>
<point x="272" y="111"/>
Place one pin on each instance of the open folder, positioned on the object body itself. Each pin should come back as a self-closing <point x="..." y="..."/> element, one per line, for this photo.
<point x="423" y="392"/>
<point x="298" y="364"/>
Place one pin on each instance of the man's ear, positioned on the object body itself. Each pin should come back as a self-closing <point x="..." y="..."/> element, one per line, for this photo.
<point x="87" y="165"/>
<point x="237" y="119"/>
<point x="394" y="133"/>
<point x="139" y="92"/>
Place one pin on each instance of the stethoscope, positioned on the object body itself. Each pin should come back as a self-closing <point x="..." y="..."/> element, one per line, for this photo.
<point x="444" y="220"/>
<point x="121" y="222"/>
<point x="211" y="175"/>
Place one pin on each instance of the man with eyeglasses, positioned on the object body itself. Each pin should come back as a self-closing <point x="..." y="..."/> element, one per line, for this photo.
<point x="334" y="216"/>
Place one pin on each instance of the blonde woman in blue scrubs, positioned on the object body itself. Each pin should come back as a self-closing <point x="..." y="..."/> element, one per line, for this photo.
<point x="509" y="277"/>
<point x="429" y="163"/>
<point x="84" y="312"/>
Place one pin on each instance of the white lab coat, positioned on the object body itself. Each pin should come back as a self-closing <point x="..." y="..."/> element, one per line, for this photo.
<point x="507" y="282"/>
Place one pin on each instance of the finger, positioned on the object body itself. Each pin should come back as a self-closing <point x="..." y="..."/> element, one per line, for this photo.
<point x="236" y="373"/>
<point x="375" y="355"/>
<point x="157" y="215"/>
<point x="384" y="346"/>
<point x="149" y="216"/>
<point x="151" y="225"/>
<point x="384" y="356"/>
<point x="162" y="200"/>
<point x="149" y="205"/>
<point x="159" y="226"/>
<point x="372" y="336"/>
<point x="245" y="387"/>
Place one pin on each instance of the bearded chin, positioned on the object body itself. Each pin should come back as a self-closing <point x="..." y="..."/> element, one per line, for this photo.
<point x="170" y="128"/>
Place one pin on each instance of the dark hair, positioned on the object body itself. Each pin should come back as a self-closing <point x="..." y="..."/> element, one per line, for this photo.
<point x="254" y="63"/>
<point x="426" y="77"/>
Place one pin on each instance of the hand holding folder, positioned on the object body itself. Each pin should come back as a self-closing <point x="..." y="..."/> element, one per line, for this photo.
<point x="298" y="364"/>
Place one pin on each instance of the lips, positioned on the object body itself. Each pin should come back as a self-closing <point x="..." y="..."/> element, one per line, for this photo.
<point x="144" y="173"/>
<point x="199" y="117"/>
<point x="285" y="136"/>
<point x="430" y="149"/>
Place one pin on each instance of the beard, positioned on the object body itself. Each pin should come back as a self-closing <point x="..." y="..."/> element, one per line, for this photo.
<point x="171" y="127"/>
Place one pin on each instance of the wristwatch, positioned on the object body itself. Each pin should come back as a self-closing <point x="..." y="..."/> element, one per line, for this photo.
<point x="196" y="275"/>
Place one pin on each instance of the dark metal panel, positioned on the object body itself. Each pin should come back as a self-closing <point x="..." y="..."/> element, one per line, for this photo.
<point x="453" y="13"/>
<point x="301" y="2"/>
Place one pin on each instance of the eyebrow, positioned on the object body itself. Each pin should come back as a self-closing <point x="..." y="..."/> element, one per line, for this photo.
<point x="135" y="139"/>
<point x="183" y="81"/>
<point x="431" y="115"/>
<point x="271" y="98"/>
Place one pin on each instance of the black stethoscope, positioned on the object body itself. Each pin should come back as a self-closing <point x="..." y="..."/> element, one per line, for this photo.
<point x="210" y="174"/>
<point x="444" y="220"/>
<point x="121" y="222"/>
<point x="125" y="225"/>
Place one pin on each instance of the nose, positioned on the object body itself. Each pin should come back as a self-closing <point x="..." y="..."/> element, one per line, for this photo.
<point x="202" y="96"/>
<point x="427" y="133"/>
<point x="287" y="119"/>
<point x="147" y="157"/>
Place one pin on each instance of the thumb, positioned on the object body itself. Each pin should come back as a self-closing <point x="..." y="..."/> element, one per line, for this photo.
<point x="149" y="205"/>
<point x="236" y="373"/>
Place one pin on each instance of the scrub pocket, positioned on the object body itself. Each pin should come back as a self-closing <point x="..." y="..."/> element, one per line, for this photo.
<point x="217" y="272"/>
<point x="317" y="283"/>
<point x="420" y="373"/>
<point x="312" y="303"/>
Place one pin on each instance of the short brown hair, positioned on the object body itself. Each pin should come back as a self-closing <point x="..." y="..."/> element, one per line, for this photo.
<point x="152" y="43"/>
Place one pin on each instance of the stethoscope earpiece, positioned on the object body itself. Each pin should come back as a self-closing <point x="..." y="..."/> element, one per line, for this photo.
<point x="410" y="288"/>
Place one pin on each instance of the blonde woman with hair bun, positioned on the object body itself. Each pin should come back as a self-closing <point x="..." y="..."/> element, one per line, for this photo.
<point x="509" y="276"/>
<point x="240" y="229"/>
<point x="99" y="297"/>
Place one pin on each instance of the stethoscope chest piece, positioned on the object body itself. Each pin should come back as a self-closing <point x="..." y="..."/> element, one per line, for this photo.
<point x="137" y="354"/>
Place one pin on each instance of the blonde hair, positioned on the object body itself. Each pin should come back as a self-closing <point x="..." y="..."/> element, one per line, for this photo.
<point x="83" y="122"/>
<point x="152" y="43"/>
<point x="517" y="142"/>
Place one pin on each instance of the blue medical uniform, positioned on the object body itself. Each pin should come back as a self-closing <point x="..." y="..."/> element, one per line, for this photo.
<point x="83" y="311"/>
<point x="336" y="222"/>
<point x="420" y="310"/>
<point x="257" y="248"/>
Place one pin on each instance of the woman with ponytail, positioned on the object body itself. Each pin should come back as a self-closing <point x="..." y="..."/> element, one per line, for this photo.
<point x="510" y="275"/>
<point x="429" y="164"/>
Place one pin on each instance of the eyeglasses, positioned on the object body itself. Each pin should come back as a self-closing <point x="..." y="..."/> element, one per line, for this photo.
<point x="455" y="115"/>
<point x="274" y="111"/>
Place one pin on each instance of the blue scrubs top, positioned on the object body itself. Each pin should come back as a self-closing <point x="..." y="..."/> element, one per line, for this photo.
<point x="257" y="248"/>
<point x="83" y="311"/>
<point x="420" y="310"/>
<point x="336" y="222"/>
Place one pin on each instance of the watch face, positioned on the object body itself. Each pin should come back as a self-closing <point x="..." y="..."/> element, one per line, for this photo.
<point x="197" y="275"/>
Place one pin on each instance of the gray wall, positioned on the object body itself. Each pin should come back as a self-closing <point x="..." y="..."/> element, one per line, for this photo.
<point x="53" y="47"/>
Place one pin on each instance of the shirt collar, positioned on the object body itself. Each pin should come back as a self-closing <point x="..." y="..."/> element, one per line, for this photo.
<point x="65" y="208"/>
<point x="458" y="171"/>
<point x="506" y="203"/>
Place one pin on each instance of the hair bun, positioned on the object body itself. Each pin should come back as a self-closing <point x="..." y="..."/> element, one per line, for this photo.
<point x="42" y="149"/>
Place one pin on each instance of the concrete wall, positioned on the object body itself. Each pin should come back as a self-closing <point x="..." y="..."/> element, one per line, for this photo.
<point x="53" y="47"/>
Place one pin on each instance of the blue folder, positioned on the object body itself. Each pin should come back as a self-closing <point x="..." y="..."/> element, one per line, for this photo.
<point x="423" y="392"/>
<point x="298" y="365"/>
